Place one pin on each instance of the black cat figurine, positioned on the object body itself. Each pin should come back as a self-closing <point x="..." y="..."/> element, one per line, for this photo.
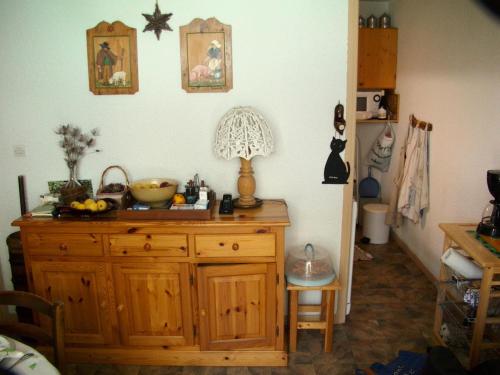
<point x="336" y="171"/>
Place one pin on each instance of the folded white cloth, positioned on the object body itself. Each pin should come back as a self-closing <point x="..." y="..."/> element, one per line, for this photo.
<point x="12" y="352"/>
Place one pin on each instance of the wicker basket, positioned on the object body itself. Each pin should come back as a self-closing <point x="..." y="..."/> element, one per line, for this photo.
<point x="123" y="197"/>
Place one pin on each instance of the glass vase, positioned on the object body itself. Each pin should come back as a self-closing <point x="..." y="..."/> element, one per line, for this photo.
<point x="72" y="189"/>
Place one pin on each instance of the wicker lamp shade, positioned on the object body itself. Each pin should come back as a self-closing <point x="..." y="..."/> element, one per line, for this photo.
<point x="244" y="133"/>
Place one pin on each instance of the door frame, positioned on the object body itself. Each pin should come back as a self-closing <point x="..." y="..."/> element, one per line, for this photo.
<point x="349" y="155"/>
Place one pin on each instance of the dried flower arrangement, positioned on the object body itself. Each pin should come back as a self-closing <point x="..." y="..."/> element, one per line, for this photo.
<point x="74" y="144"/>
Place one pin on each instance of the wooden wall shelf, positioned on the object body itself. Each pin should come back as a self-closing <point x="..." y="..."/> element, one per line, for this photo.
<point x="393" y="103"/>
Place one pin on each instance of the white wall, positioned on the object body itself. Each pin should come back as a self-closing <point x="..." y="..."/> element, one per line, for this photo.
<point x="449" y="74"/>
<point x="289" y="59"/>
<point x="377" y="8"/>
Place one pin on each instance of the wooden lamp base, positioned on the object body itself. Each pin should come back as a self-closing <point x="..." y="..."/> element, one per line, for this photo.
<point x="246" y="187"/>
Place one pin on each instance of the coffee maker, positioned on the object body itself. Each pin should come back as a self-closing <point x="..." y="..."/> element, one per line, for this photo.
<point x="490" y="223"/>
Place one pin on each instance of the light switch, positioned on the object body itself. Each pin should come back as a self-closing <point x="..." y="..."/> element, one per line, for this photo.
<point x="20" y="151"/>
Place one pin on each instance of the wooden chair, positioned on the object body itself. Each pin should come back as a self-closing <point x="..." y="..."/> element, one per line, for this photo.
<point x="25" y="332"/>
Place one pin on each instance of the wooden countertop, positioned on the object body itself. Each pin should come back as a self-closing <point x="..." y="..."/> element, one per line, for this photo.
<point x="272" y="212"/>
<point x="458" y="233"/>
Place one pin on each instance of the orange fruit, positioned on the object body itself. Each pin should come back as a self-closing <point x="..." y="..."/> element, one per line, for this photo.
<point x="178" y="199"/>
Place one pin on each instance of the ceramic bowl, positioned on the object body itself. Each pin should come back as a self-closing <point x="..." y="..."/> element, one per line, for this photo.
<point x="148" y="191"/>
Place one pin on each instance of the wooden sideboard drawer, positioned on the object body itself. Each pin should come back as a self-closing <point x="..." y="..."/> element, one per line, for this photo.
<point x="166" y="245"/>
<point x="235" y="245"/>
<point x="76" y="244"/>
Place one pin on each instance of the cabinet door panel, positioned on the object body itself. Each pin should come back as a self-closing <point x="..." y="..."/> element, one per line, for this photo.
<point x="377" y="58"/>
<point x="154" y="303"/>
<point x="82" y="286"/>
<point x="237" y="305"/>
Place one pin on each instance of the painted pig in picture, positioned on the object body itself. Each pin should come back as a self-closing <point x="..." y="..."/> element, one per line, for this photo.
<point x="199" y="72"/>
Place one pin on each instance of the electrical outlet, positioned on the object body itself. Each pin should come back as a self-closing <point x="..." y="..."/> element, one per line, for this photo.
<point x="20" y="151"/>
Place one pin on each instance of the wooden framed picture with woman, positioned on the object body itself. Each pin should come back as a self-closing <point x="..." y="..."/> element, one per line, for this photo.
<point x="206" y="56"/>
<point x="112" y="59"/>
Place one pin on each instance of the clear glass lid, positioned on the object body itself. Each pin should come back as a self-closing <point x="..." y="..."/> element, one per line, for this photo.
<point x="309" y="264"/>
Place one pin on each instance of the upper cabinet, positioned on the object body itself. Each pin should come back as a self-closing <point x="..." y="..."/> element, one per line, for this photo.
<point x="377" y="58"/>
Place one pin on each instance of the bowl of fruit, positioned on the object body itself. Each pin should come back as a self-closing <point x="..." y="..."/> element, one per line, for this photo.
<point x="86" y="208"/>
<point x="154" y="192"/>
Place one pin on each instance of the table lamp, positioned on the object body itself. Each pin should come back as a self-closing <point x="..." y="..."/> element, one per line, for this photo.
<point x="242" y="132"/>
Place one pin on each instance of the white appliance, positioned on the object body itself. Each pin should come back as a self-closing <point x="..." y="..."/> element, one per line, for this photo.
<point x="351" y="254"/>
<point x="367" y="104"/>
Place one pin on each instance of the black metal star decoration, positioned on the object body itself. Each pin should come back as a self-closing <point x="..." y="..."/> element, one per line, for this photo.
<point x="157" y="21"/>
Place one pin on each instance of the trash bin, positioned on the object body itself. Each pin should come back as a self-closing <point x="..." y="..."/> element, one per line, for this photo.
<point x="374" y="226"/>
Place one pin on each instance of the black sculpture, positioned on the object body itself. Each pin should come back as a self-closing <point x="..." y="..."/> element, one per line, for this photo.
<point x="336" y="171"/>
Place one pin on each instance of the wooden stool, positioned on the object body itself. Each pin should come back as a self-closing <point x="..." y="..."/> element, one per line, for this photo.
<point x="325" y="322"/>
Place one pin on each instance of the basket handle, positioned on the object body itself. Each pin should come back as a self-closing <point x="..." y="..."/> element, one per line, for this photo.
<point x="101" y="185"/>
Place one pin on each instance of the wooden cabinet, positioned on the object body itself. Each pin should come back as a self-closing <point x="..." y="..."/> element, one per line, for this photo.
<point x="377" y="58"/>
<point x="237" y="305"/>
<point x="83" y="287"/>
<point x="153" y="303"/>
<point x="165" y="292"/>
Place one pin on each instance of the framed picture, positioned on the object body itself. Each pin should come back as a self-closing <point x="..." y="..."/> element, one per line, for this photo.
<point x="206" y="56"/>
<point x="112" y="59"/>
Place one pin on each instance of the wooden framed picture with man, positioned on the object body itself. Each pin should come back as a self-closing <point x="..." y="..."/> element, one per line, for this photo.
<point x="112" y="59"/>
<point x="206" y="56"/>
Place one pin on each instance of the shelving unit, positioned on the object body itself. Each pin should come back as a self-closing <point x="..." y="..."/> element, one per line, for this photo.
<point x="377" y="66"/>
<point x="483" y="332"/>
<point x="393" y="104"/>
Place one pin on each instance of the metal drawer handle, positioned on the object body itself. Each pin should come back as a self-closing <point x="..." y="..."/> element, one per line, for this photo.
<point x="147" y="246"/>
<point x="235" y="246"/>
<point x="63" y="247"/>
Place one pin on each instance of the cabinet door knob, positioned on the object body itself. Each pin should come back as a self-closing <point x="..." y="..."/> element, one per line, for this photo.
<point x="104" y="304"/>
<point x="63" y="247"/>
<point x="120" y="307"/>
<point x="203" y="312"/>
<point x="235" y="246"/>
<point x="147" y="246"/>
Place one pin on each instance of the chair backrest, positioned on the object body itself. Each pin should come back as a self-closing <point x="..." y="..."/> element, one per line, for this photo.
<point x="53" y="310"/>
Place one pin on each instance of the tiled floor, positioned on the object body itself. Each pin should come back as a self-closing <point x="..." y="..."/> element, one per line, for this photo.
<point x="392" y="310"/>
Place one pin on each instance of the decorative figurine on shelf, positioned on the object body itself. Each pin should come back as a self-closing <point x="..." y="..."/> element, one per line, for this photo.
<point x="336" y="171"/>
<point x="157" y="21"/>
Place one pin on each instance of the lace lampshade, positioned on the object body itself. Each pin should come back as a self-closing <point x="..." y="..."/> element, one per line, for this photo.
<point x="242" y="132"/>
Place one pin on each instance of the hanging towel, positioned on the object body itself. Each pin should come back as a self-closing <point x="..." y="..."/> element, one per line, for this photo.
<point x="414" y="194"/>
<point x="411" y="193"/>
<point x="381" y="151"/>
<point x="393" y="217"/>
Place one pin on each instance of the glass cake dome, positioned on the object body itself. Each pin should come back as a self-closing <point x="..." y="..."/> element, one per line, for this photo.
<point x="309" y="266"/>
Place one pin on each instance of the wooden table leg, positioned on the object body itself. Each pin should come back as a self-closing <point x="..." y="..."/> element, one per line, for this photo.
<point x="323" y="309"/>
<point x="294" y="303"/>
<point x="482" y="311"/>
<point x="330" y="304"/>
